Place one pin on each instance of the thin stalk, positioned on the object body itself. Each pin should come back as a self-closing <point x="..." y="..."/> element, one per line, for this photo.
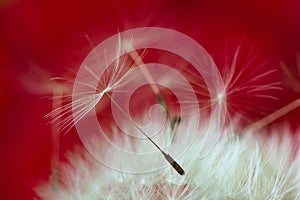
<point x="171" y="161"/>
<point x="272" y="117"/>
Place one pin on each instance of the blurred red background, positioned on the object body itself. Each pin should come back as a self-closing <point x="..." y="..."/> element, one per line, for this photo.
<point x="51" y="35"/>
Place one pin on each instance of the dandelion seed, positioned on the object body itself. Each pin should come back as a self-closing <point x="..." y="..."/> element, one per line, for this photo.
<point x="84" y="101"/>
<point x="250" y="83"/>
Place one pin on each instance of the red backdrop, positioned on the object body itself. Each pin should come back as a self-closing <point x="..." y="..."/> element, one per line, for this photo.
<point x="51" y="35"/>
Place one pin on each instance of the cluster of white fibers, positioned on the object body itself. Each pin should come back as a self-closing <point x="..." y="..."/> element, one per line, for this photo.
<point x="218" y="164"/>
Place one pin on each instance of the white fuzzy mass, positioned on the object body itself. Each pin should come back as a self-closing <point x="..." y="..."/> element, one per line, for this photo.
<point x="218" y="164"/>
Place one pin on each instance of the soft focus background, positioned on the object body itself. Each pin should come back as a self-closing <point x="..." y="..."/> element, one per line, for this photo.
<point x="51" y="36"/>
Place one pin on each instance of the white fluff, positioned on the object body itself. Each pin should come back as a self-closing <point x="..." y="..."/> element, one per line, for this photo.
<point x="218" y="164"/>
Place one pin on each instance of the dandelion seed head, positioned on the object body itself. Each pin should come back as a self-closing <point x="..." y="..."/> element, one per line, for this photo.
<point x="237" y="167"/>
